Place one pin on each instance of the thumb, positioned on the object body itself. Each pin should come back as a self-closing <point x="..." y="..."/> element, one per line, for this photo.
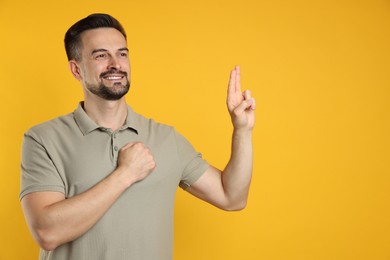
<point x="128" y="145"/>
<point x="245" y="104"/>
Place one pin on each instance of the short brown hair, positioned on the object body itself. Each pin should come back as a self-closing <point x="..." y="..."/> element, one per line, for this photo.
<point x="93" y="21"/>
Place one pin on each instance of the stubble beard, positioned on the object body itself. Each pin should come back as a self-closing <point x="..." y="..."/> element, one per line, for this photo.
<point x="115" y="92"/>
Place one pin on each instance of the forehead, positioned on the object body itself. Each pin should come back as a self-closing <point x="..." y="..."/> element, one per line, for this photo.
<point x="106" y="38"/>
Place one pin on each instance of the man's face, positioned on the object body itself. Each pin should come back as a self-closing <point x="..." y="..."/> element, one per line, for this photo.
<point x="104" y="68"/>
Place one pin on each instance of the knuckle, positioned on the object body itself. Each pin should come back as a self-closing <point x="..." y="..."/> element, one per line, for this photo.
<point x="137" y="145"/>
<point x="236" y="112"/>
<point x="152" y="164"/>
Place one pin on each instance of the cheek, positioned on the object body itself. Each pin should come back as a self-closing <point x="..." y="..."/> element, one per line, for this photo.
<point x="126" y="68"/>
<point x="93" y="72"/>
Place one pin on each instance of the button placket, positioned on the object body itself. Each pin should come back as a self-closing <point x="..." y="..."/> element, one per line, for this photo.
<point x="115" y="146"/>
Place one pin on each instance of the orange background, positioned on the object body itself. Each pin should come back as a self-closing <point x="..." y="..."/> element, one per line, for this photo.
<point x="319" y="71"/>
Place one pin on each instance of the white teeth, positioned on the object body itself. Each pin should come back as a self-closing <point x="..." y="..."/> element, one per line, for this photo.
<point x="110" y="78"/>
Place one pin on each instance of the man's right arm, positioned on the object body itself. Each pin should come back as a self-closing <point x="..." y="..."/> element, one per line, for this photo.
<point x="54" y="220"/>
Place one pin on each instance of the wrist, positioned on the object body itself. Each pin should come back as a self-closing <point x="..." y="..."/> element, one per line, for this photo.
<point x="122" y="177"/>
<point x="242" y="131"/>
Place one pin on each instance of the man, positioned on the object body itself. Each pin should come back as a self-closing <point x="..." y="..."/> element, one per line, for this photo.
<point x="99" y="183"/>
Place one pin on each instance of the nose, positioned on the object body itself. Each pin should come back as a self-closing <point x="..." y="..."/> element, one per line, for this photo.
<point x="114" y="63"/>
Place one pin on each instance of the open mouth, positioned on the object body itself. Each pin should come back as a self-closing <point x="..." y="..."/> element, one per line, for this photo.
<point x="113" y="77"/>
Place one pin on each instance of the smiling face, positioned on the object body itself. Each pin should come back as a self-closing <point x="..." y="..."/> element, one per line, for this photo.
<point x="104" y="67"/>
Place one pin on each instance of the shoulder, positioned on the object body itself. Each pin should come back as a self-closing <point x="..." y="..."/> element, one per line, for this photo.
<point x="52" y="127"/>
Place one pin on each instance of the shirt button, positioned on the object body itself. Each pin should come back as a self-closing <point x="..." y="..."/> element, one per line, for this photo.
<point x="114" y="135"/>
<point x="116" y="148"/>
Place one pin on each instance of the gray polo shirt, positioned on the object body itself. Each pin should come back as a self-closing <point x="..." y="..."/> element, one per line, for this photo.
<point x="72" y="153"/>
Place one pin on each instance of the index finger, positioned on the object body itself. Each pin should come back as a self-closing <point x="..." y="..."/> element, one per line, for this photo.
<point x="234" y="81"/>
<point x="238" y="78"/>
<point x="128" y="145"/>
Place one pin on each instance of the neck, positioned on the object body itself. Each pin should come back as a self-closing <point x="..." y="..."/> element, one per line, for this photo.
<point x="108" y="114"/>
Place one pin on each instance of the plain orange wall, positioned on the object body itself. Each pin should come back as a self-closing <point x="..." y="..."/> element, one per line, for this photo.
<point x="319" y="71"/>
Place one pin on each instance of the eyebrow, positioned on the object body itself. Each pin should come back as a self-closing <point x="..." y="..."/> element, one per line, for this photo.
<point x="105" y="50"/>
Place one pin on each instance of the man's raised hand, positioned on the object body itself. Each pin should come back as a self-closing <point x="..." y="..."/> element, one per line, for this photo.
<point x="240" y="104"/>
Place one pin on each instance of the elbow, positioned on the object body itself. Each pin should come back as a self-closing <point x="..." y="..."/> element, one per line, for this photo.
<point x="45" y="239"/>
<point x="47" y="246"/>
<point x="237" y="206"/>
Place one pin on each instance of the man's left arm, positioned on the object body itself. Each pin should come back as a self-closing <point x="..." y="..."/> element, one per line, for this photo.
<point x="228" y="189"/>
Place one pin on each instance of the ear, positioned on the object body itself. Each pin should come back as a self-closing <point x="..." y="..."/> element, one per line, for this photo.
<point x="75" y="69"/>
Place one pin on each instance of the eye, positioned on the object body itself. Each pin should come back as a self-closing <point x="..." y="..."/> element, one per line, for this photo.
<point x="123" y="54"/>
<point x="101" y="56"/>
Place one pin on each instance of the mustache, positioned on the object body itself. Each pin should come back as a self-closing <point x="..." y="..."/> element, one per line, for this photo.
<point x="103" y="74"/>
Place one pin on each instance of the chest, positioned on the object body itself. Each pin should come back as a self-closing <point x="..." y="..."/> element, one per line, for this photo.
<point x="92" y="158"/>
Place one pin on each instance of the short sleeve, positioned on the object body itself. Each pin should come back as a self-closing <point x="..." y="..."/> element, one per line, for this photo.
<point x="38" y="172"/>
<point x="193" y="164"/>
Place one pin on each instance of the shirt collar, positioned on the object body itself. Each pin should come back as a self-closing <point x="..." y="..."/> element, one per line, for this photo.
<point x="131" y="121"/>
<point x="87" y="125"/>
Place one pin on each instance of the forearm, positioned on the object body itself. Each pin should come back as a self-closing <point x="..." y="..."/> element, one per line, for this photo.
<point x="67" y="219"/>
<point x="236" y="176"/>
